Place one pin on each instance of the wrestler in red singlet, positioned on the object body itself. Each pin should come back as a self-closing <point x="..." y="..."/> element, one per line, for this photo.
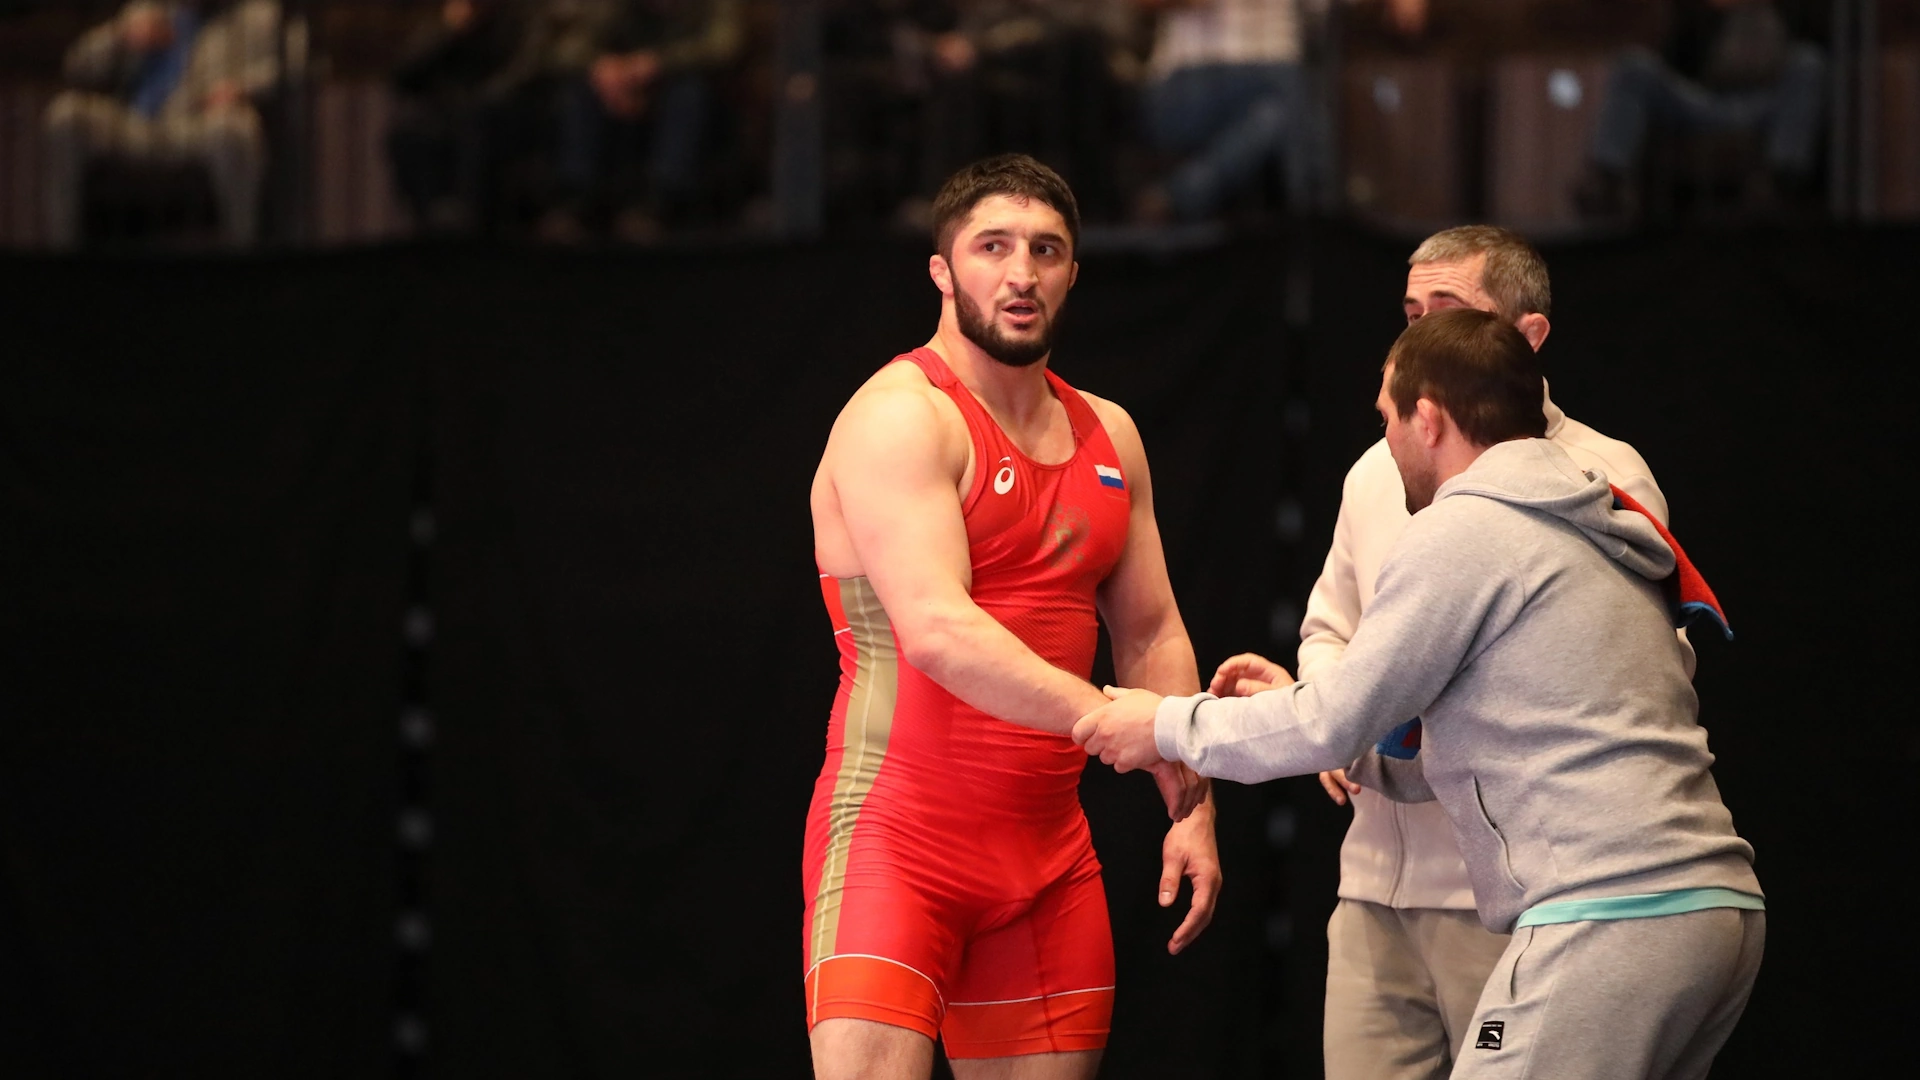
<point x="951" y="882"/>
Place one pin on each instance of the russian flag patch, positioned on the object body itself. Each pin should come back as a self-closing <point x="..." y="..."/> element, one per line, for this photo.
<point x="1110" y="477"/>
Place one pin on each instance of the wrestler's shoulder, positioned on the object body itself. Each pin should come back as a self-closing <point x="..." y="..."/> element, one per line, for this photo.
<point x="899" y="393"/>
<point x="1111" y="415"/>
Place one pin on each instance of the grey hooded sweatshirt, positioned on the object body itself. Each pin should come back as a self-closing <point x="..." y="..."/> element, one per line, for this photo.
<point x="1520" y="617"/>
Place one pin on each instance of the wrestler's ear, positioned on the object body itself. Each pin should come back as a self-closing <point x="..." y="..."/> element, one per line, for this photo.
<point x="941" y="273"/>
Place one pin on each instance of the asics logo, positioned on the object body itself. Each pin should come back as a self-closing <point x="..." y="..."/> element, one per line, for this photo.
<point x="1003" y="480"/>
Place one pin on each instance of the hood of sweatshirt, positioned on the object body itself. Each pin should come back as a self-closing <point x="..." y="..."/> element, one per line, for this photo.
<point x="1537" y="475"/>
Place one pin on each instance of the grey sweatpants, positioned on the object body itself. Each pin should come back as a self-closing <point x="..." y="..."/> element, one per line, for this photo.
<point x="1402" y="983"/>
<point x="82" y="126"/>
<point x="1621" y="999"/>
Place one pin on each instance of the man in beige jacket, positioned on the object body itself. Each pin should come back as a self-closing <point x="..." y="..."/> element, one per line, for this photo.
<point x="166" y="83"/>
<point x="1406" y="954"/>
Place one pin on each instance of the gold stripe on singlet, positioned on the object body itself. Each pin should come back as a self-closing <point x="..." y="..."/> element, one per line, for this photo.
<point x="864" y="733"/>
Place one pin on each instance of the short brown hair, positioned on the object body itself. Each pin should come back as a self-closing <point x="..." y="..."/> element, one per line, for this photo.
<point x="1514" y="275"/>
<point x="1015" y="175"/>
<point x="1477" y="367"/>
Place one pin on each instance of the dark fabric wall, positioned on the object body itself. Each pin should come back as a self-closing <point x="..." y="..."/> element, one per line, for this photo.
<point x="203" y="521"/>
<point x="206" y="475"/>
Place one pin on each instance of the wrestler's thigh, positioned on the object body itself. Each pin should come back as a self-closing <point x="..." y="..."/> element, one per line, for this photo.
<point x="884" y="931"/>
<point x="1039" y="983"/>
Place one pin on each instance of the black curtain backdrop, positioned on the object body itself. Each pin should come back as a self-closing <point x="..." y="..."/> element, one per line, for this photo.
<point x="206" y="475"/>
<point x="203" y="517"/>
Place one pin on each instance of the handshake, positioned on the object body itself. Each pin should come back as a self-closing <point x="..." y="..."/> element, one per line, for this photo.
<point x="1121" y="732"/>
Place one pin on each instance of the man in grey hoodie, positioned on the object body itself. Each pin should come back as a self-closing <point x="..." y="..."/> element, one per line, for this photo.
<point x="1524" y="615"/>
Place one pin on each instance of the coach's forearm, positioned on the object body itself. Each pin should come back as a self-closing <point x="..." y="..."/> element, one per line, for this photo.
<point x="1253" y="739"/>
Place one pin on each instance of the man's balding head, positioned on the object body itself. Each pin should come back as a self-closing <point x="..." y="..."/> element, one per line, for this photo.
<point x="1483" y="267"/>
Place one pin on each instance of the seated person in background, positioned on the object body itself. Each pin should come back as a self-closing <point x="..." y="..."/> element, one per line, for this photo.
<point x="636" y="106"/>
<point x="1224" y="94"/>
<point x="875" y="83"/>
<point x="448" y="131"/>
<point x="166" y="83"/>
<point x="1029" y="76"/>
<point x="1725" y="65"/>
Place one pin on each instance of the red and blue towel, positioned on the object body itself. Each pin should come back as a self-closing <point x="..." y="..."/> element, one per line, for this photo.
<point x="1687" y="592"/>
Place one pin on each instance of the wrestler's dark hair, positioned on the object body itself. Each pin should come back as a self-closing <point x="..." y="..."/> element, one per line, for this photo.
<point x="1015" y="175"/>
<point x="1477" y="367"/>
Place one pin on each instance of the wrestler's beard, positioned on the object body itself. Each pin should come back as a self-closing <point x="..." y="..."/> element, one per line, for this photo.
<point x="979" y="330"/>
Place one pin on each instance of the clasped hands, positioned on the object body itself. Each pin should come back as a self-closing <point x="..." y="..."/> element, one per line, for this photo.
<point x="1120" y="733"/>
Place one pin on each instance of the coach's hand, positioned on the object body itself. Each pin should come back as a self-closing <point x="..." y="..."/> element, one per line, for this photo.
<point x="1121" y="734"/>
<point x="1339" y="788"/>
<point x="1189" y="852"/>
<point x="1246" y="675"/>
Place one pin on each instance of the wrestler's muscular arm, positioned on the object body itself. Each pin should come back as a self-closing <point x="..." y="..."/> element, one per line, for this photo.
<point x="1151" y="650"/>
<point x="889" y="490"/>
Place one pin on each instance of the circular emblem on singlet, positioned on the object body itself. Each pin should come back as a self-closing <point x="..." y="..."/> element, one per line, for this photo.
<point x="1003" y="480"/>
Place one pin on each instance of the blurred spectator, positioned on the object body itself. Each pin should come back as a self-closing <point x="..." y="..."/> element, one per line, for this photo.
<point x="1226" y="98"/>
<point x="1033" y="76"/>
<point x="634" y="83"/>
<point x="451" y="131"/>
<point x="917" y="88"/>
<point x="876" y="84"/>
<point x="1725" y="66"/>
<point x="167" y="83"/>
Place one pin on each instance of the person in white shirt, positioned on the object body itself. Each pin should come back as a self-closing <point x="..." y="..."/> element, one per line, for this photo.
<point x="1224" y="96"/>
<point x="1406" y="954"/>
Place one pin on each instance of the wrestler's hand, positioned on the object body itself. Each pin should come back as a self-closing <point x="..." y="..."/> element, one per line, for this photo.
<point x="1338" y="786"/>
<point x="1247" y="674"/>
<point x="1189" y="851"/>
<point x="1182" y="789"/>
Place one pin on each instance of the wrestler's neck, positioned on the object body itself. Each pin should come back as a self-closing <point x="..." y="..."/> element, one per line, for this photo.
<point x="1016" y="396"/>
